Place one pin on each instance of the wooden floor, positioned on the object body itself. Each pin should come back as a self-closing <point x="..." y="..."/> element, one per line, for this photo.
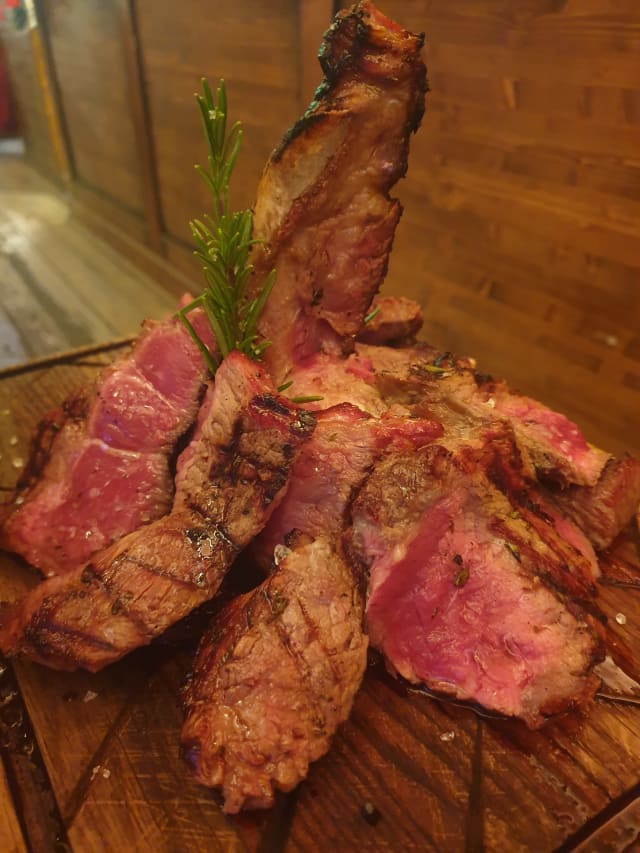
<point x="61" y="286"/>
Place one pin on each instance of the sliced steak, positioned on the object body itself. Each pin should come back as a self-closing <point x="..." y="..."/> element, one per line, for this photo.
<point x="466" y="591"/>
<point x="596" y="492"/>
<point x="274" y="678"/>
<point x="280" y="668"/>
<point x="420" y="380"/>
<point x="333" y="462"/>
<point x="556" y="448"/>
<point x="394" y="321"/>
<point x="323" y="209"/>
<point x="605" y="509"/>
<point x="100" y="465"/>
<point x="230" y="478"/>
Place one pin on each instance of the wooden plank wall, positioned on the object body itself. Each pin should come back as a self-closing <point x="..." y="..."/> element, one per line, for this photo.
<point x="520" y="233"/>
<point x="32" y="98"/>
<point x="88" y="54"/>
<point x="254" y="46"/>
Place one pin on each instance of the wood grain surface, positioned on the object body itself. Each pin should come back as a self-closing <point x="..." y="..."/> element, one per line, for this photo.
<point x="89" y="59"/>
<point x="91" y="761"/>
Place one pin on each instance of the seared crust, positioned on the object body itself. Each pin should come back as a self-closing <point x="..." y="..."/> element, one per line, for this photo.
<point x="604" y="509"/>
<point x="230" y="479"/>
<point x="273" y="679"/>
<point x="323" y="209"/>
<point x="281" y="666"/>
<point x="395" y="321"/>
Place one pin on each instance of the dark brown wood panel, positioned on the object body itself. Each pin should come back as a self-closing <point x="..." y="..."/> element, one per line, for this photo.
<point x="30" y="100"/>
<point x="88" y="50"/>
<point x="254" y="46"/>
<point x="521" y="233"/>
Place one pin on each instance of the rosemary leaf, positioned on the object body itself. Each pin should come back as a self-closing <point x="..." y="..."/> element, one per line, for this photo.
<point x="309" y="399"/>
<point x="223" y="244"/>
<point x="371" y="314"/>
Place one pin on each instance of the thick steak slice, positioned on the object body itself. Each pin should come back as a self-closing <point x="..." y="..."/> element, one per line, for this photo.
<point x="323" y="207"/>
<point x="465" y="593"/>
<point x="605" y="509"/>
<point x="100" y="465"/>
<point x="556" y="448"/>
<point x="280" y="668"/>
<point x="230" y="478"/>
<point x="274" y="677"/>
<point x="392" y="321"/>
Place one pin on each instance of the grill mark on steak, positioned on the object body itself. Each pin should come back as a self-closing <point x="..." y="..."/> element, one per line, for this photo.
<point x="302" y="668"/>
<point x="271" y="683"/>
<point x="323" y="213"/>
<point x="293" y="649"/>
<point x="292" y="652"/>
<point x="135" y="589"/>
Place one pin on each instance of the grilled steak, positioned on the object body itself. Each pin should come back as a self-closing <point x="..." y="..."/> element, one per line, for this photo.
<point x="466" y="591"/>
<point x="603" y="510"/>
<point x="323" y="207"/>
<point x="394" y="321"/>
<point x="430" y="485"/>
<point x="598" y="493"/>
<point x="100" y="465"/>
<point x="337" y="380"/>
<point x="280" y="668"/>
<point x="274" y="678"/>
<point x="229" y="480"/>
<point x="555" y="447"/>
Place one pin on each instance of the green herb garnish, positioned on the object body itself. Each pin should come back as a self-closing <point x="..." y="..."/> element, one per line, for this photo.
<point x="310" y="399"/>
<point x="224" y="241"/>
<point x="373" y="313"/>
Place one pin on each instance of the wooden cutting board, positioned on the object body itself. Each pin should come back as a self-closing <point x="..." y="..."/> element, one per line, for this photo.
<point x="90" y="762"/>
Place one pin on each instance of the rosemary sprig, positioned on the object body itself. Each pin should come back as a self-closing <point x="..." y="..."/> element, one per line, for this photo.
<point x="223" y="243"/>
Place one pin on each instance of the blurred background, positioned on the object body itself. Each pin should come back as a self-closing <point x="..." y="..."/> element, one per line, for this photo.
<point x="522" y="201"/>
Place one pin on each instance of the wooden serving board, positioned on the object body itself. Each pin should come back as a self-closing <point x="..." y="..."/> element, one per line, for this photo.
<point x="90" y="762"/>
